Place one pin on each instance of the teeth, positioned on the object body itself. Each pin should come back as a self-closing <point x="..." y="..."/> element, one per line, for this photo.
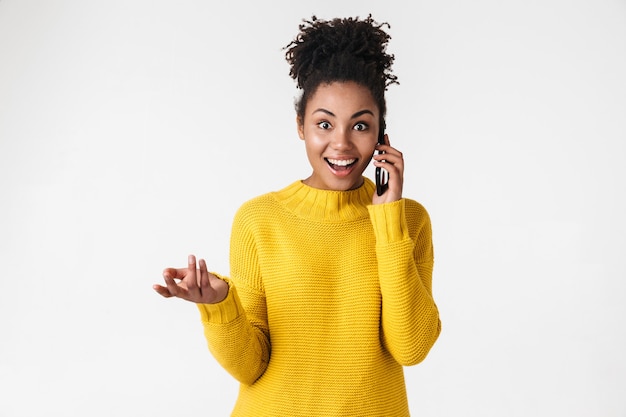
<point x="341" y="162"/>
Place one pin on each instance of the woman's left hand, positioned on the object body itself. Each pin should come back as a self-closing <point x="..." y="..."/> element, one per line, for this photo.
<point x="393" y="162"/>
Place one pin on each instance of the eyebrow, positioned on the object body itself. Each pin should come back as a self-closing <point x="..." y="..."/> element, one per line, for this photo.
<point x="354" y="116"/>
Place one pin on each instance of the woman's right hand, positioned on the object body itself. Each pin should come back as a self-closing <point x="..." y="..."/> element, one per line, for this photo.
<point x="193" y="284"/>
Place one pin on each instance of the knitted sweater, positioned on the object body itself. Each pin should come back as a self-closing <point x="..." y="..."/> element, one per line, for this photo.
<point x="329" y="296"/>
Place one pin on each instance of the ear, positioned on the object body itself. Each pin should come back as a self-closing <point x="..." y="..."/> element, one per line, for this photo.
<point x="300" y="124"/>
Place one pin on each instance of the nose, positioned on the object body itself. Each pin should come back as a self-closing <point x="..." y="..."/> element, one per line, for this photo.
<point x="341" y="140"/>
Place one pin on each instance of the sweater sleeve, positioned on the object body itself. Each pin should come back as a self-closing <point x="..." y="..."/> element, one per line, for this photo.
<point x="236" y="329"/>
<point x="410" y="318"/>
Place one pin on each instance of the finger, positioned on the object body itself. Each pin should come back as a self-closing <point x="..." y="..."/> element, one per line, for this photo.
<point x="386" y="150"/>
<point x="176" y="273"/>
<point x="161" y="290"/>
<point x="391" y="165"/>
<point x="203" y="279"/>
<point x="394" y="165"/>
<point x="386" y="160"/>
<point x="384" y="145"/>
<point x="389" y="157"/>
<point x="172" y="288"/>
<point x="191" y="280"/>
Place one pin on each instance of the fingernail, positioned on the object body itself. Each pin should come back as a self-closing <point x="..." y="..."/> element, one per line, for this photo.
<point x="191" y="259"/>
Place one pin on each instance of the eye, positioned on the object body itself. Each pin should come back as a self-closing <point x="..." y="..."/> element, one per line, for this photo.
<point x="324" y="125"/>
<point x="361" y="126"/>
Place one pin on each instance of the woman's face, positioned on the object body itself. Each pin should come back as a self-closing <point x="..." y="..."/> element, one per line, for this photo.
<point x="340" y="130"/>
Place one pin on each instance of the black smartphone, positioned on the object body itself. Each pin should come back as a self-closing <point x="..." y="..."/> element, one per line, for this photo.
<point x="382" y="176"/>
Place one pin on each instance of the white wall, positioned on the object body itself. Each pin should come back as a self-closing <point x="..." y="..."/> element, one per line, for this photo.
<point x="130" y="132"/>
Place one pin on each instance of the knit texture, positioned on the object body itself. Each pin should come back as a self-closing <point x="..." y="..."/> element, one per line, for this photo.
<point x="329" y="297"/>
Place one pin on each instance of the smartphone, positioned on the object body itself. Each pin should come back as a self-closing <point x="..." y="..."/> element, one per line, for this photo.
<point x="382" y="176"/>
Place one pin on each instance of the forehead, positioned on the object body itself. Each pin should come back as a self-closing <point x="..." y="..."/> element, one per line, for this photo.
<point x="342" y="97"/>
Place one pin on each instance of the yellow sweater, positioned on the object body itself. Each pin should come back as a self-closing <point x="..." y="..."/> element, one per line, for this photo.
<point x="329" y="297"/>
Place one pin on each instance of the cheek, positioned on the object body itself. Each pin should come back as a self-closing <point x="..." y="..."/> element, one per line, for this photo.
<point x="314" y="140"/>
<point x="314" y="147"/>
<point x="368" y="149"/>
<point x="366" y="160"/>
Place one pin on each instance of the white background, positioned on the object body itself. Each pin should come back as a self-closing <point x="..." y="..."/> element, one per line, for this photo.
<point x="131" y="131"/>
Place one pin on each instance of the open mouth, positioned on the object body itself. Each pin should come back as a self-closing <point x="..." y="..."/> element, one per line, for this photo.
<point x="340" y="164"/>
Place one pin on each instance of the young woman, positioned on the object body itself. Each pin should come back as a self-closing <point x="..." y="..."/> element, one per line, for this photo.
<point x="329" y="293"/>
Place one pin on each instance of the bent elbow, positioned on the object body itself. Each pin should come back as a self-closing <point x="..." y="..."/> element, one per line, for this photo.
<point x="415" y="352"/>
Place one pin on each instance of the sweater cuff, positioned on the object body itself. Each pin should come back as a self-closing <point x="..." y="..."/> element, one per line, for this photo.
<point x="389" y="221"/>
<point x="223" y="312"/>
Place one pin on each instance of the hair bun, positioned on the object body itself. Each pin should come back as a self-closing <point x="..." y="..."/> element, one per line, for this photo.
<point x="341" y="49"/>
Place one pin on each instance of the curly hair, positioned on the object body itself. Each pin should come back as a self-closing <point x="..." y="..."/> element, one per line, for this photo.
<point x="348" y="49"/>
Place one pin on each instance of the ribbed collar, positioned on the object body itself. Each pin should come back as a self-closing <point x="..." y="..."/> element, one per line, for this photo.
<point x="327" y="206"/>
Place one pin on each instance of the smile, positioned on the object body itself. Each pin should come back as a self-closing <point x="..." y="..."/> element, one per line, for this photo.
<point x="341" y="162"/>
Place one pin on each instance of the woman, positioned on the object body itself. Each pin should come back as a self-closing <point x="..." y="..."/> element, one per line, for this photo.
<point x="329" y="293"/>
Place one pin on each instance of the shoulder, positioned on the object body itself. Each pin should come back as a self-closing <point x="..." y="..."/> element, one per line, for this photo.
<point x="260" y="209"/>
<point x="273" y="200"/>
<point x="417" y="217"/>
<point x="416" y="210"/>
<point x="257" y="206"/>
